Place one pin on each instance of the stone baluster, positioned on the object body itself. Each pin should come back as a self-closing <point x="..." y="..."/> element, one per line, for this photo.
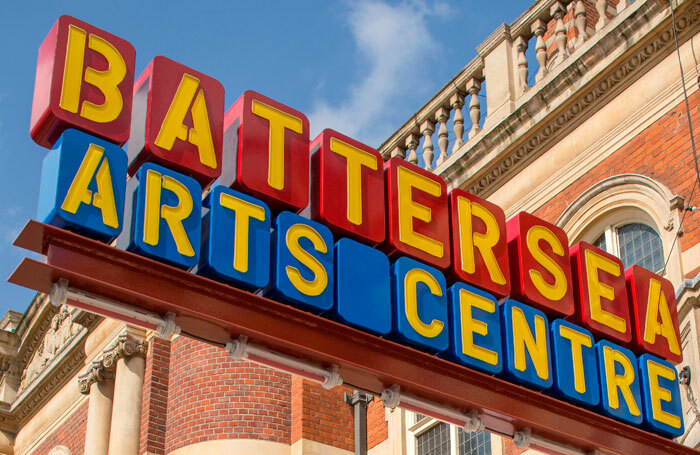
<point x="399" y="151"/>
<point x="581" y="22"/>
<point x="521" y="46"/>
<point x="621" y="5"/>
<point x="427" y="129"/>
<point x="412" y="141"/>
<point x="130" y="357"/>
<point x="602" y="7"/>
<point x="441" y="116"/>
<point x="473" y="88"/>
<point x="558" y="11"/>
<point x="457" y="102"/>
<point x="98" y="382"/>
<point x="538" y="28"/>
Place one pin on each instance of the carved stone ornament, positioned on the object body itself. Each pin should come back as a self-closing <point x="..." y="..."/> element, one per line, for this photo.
<point x="96" y="372"/>
<point x="125" y="346"/>
<point x="57" y="337"/>
<point x="60" y="450"/>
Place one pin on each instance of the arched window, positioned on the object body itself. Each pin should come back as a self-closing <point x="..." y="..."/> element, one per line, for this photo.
<point x="634" y="244"/>
<point x="631" y="216"/>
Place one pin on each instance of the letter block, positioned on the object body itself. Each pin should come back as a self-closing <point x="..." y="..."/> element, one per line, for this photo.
<point x="575" y="364"/>
<point x="475" y="328"/>
<point x="417" y="214"/>
<point x="619" y="383"/>
<point x="178" y="120"/>
<point x="540" y="267"/>
<point x="663" y="410"/>
<point x="601" y="295"/>
<point x="84" y="80"/>
<point x="362" y="286"/>
<point x="347" y="182"/>
<point x="266" y="151"/>
<point x="526" y="344"/>
<point x="302" y="268"/>
<point x="235" y="239"/>
<point x="83" y="184"/>
<point x="479" y="245"/>
<point x="165" y="216"/>
<point x="418" y="295"/>
<point x="654" y="314"/>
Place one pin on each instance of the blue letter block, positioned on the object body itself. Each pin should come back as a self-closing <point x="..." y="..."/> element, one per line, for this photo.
<point x="526" y="340"/>
<point x="420" y="305"/>
<point x="83" y="184"/>
<point x="575" y="364"/>
<point x="236" y="239"/>
<point x="302" y="269"/>
<point x="475" y="328"/>
<point x="166" y="216"/>
<point x="619" y="383"/>
<point x="362" y="288"/>
<point x="663" y="411"/>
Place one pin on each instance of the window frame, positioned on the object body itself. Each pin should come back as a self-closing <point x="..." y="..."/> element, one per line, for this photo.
<point x="415" y="429"/>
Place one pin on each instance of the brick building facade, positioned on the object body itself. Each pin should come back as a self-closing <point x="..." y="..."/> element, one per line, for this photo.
<point x="588" y="132"/>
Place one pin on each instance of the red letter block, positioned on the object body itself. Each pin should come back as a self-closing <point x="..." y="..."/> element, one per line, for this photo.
<point x="540" y="268"/>
<point x="654" y="314"/>
<point x="417" y="213"/>
<point x="84" y="80"/>
<point x="178" y="120"/>
<point x="601" y="296"/>
<point x="348" y="187"/>
<point x="266" y="151"/>
<point x="479" y="246"/>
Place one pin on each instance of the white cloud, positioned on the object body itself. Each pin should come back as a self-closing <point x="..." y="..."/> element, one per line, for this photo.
<point x="11" y="226"/>
<point x="398" y="48"/>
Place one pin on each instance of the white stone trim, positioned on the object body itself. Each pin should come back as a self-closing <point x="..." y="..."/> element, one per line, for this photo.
<point x="234" y="446"/>
<point x="309" y="447"/>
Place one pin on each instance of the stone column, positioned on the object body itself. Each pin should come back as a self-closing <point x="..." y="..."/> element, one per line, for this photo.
<point x="99" y="383"/>
<point x="129" y="355"/>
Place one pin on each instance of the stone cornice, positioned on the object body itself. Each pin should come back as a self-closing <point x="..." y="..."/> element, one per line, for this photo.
<point x="479" y="172"/>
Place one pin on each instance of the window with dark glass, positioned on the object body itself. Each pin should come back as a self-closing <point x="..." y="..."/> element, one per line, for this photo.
<point x="434" y="441"/>
<point x="637" y="244"/>
<point x="475" y="443"/>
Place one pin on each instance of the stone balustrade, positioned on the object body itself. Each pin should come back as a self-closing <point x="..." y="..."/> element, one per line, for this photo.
<point x="503" y="76"/>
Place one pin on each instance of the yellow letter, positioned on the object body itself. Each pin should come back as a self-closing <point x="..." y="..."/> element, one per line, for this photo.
<point x="659" y="394"/>
<point x="279" y="121"/>
<point x="106" y="81"/>
<point x="468" y="239"/>
<point x="470" y="326"/>
<point x="523" y="339"/>
<point x="320" y="282"/>
<point x="598" y="290"/>
<point x="173" y="216"/>
<point x="173" y="127"/>
<point x="410" y="283"/>
<point x="244" y="211"/>
<point x="103" y="199"/>
<point x="658" y="306"/>
<point x="577" y="340"/>
<point x="622" y="382"/>
<point x="407" y="180"/>
<point x="355" y="159"/>
<point x="557" y="290"/>
<point x="73" y="70"/>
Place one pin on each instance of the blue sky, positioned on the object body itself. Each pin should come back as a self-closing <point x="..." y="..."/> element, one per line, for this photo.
<point x="361" y="67"/>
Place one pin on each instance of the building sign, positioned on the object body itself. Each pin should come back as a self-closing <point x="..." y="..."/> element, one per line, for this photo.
<point x="382" y="247"/>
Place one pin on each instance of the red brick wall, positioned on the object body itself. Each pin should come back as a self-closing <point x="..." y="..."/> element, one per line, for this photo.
<point x="377" y="426"/>
<point x="322" y="415"/>
<point x="155" y="397"/>
<point x="661" y="152"/>
<point x="211" y="397"/>
<point x="70" y="434"/>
